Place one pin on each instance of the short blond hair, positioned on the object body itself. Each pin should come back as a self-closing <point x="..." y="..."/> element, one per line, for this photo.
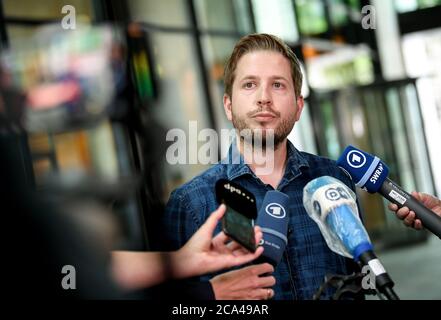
<point x="261" y="41"/>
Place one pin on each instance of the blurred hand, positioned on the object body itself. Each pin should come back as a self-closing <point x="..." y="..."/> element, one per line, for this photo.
<point x="204" y="254"/>
<point x="245" y="284"/>
<point x="408" y="216"/>
<point x="200" y="255"/>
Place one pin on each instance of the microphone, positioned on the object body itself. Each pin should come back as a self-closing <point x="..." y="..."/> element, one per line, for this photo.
<point x="273" y="220"/>
<point x="331" y="204"/>
<point x="370" y="174"/>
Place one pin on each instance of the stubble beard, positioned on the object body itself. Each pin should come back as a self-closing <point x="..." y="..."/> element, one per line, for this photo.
<point x="259" y="138"/>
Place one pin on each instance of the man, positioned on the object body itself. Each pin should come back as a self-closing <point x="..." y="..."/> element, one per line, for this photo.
<point x="262" y="96"/>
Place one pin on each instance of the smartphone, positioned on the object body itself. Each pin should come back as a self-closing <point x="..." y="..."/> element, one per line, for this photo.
<point x="238" y="221"/>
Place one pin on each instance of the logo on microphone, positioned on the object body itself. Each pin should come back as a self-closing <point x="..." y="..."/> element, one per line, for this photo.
<point x="356" y="159"/>
<point x="275" y="210"/>
<point x="332" y="194"/>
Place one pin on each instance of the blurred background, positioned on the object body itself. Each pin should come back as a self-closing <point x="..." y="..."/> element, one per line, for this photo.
<point x="85" y="111"/>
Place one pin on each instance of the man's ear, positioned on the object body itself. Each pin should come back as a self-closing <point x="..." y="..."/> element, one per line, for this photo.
<point x="227" y="107"/>
<point x="300" y="103"/>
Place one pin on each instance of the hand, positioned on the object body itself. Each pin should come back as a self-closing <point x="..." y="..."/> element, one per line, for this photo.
<point x="409" y="217"/>
<point x="203" y="254"/>
<point x="245" y="283"/>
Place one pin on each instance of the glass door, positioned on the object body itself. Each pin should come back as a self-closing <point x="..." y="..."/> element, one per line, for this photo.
<point x="384" y="120"/>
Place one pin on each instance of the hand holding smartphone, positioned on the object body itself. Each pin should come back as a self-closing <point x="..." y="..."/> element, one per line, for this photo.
<point x="238" y="221"/>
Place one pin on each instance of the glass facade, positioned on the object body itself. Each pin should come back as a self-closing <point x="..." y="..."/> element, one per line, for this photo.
<point x="228" y="15"/>
<point x="216" y="52"/>
<point x="412" y="5"/>
<point x="277" y="17"/>
<point x="384" y="120"/>
<point x="312" y="19"/>
<point x="170" y="13"/>
<point x="180" y="100"/>
<point x="51" y="10"/>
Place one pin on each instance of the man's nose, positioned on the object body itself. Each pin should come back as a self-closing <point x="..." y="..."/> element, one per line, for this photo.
<point x="264" y="97"/>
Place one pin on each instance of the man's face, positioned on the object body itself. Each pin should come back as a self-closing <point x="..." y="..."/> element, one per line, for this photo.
<point x="263" y="95"/>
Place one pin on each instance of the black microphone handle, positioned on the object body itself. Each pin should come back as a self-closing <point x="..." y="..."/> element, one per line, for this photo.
<point x="392" y="192"/>
<point x="264" y="259"/>
<point x="382" y="279"/>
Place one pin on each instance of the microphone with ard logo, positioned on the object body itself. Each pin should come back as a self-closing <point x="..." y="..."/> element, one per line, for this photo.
<point x="370" y="174"/>
<point x="273" y="220"/>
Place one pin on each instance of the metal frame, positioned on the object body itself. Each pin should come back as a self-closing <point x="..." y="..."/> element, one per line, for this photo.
<point x="3" y="33"/>
<point x="419" y="20"/>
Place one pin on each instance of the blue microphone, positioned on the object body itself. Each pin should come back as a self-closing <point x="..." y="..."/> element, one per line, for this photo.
<point x="367" y="171"/>
<point x="273" y="220"/>
<point x="370" y="174"/>
<point x="331" y="204"/>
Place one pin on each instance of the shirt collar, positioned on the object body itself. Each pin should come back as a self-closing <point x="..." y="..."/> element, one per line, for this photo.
<point x="235" y="163"/>
<point x="237" y="167"/>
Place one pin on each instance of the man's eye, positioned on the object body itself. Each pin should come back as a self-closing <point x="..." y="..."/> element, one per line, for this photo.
<point x="248" y="85"/>
<point x="278" y="85"/>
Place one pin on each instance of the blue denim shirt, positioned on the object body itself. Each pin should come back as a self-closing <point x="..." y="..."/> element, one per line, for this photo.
<point x="307" y="258"/>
